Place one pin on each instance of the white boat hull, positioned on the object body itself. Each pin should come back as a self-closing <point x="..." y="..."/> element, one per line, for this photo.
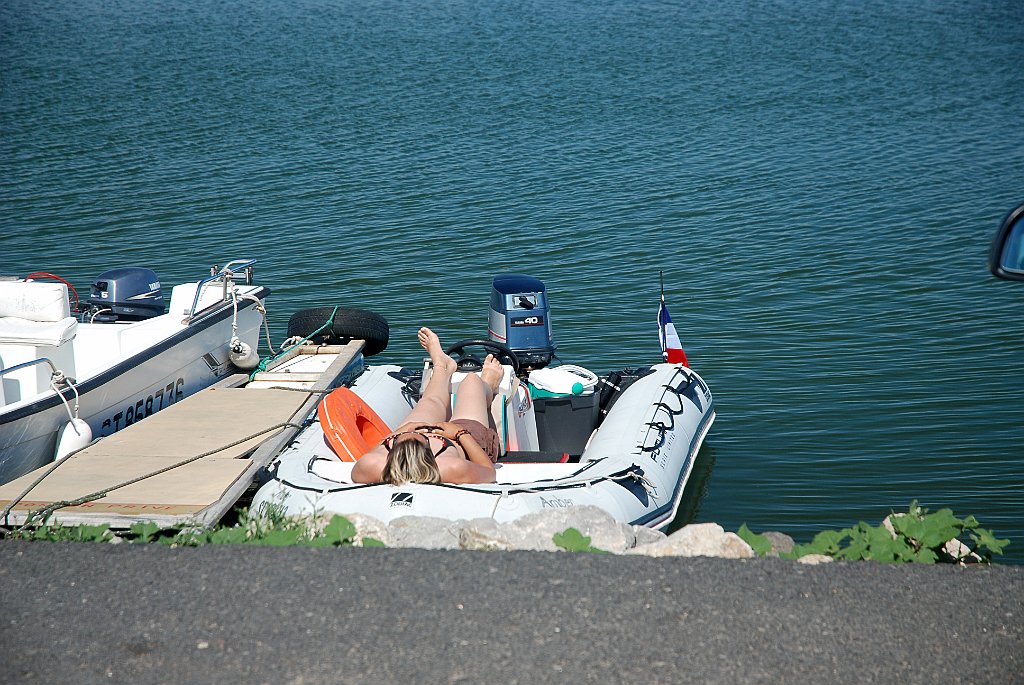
<point x="635" y="466"/>
<point x="163" y="360"/>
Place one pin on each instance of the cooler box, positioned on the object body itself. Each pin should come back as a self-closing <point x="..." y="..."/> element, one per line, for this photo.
<point x="564" y="424"/>
<point x="566" y="407"/>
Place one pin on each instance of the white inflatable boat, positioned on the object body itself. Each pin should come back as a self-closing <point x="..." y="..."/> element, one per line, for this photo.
<point x="625" y="441"/>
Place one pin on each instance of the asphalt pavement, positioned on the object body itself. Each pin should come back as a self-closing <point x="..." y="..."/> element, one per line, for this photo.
<point x="99" y="613"/>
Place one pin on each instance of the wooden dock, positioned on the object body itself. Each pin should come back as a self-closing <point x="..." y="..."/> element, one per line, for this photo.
<point x="189" y="463"/>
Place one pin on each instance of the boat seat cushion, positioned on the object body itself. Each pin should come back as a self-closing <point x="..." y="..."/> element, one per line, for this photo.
<point x="18" y="331"/>
<point x="34" y="300"/>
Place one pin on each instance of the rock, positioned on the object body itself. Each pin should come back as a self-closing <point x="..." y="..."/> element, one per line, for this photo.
<point x="369" y="527"/>
<point x="426" y="532"/>
<point x="887" y="524"/>
<point x="698" y="540"/>
<point x="781" y="543"/>
<point x="485" y="535"/>
<point x="958" y="552"/>
<point x="815" y="559"/>
<point x="536" y="531"/>
<point x="604" y="531"/>
<point x="647" y="536"/>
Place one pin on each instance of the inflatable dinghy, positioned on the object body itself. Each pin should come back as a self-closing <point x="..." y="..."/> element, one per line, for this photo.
<point x="624" y="441"/>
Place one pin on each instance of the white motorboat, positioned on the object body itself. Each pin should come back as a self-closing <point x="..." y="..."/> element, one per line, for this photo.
<point x="624" y="441"/>
<point x="67" y="378"/>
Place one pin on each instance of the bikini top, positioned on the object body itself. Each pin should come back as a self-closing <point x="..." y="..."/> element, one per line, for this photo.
<point x="428" y="432"/>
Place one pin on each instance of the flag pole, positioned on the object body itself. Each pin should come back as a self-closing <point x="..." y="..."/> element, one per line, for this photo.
<point x="661" y="332"/>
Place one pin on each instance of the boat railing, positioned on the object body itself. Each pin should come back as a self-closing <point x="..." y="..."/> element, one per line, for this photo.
<point x="11" y="369"/>
<point x="227" y="275"/>
<point x="58" y="381"/>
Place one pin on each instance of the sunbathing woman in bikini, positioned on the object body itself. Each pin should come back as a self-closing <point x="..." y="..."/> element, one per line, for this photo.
<point x="438" y="444"/>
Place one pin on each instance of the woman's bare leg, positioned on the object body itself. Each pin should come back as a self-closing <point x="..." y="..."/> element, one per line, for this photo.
<point x="475" y="392"/>
<point x="435" y="403"/>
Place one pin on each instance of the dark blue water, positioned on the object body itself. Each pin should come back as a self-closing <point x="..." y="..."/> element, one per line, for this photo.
<point x="818" y="181"/>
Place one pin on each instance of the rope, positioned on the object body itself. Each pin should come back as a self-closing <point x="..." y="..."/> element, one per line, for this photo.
<point x="13" y="503"/>
<point x="55" y="380"/>
<point x="262" y="366"/>
<point x="586" y="482"/>
<point x="672" y="413"/>
<point x="262" y="310"/>
<point x="46" y="511"/>
<point x="507" y="488"/>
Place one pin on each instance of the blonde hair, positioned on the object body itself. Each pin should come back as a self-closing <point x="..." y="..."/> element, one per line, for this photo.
<point x="410" y="461"/>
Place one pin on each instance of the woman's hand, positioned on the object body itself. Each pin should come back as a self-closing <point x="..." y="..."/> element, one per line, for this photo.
<point x="449" y="429"/>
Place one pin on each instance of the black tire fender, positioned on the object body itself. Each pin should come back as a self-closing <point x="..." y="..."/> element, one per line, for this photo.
<point x="347" y="325"/>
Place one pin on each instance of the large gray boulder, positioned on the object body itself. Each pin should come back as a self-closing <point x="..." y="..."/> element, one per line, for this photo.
<point x="425" y="532"/>
<point x="781" y="543"/>
<point x="486" y="535"/>
<point x="698" y="540"/>
<point x="646" y="536"/>
<point x="536" y="531"/>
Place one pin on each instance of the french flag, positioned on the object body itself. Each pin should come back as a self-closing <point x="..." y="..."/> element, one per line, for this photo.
<point x="671" y="348"/>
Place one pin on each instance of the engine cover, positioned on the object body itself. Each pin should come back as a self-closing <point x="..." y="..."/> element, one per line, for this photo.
<point x="129" y="293"/>
<point x="521" y="319"/>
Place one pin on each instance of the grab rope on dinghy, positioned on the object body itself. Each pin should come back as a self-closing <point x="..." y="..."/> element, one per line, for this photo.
<point x="660" y="426"/>
<point x="629" y="474"/>
<point x="506" y="489"/>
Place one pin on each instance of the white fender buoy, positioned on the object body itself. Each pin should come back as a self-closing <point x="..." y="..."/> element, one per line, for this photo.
<point x="243" y="356"/>
<point x="75" y="435"/>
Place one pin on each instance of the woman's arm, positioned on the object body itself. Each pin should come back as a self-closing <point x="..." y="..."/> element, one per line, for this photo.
<point x="477" y="468"/>
<point x="459" y="471"/>
<point x="459" y="435"/>
<point x="474" y="452"/>
<point x="370" y="466"/>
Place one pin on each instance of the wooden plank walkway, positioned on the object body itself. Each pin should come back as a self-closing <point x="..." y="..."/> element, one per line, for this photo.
<point x="211" y="436"/>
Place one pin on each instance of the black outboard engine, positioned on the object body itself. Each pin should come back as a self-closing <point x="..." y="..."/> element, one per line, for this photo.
<point x="520" y="318"/>
<point x="126" y="294"/>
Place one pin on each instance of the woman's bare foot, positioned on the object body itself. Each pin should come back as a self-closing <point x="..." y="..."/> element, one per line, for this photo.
<point x="492" y="373"/>
<point x="432" y="344"/>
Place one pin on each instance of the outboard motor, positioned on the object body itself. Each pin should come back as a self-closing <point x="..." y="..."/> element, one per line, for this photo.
<point x="126" y="294"/>
<point x="520" y="318"/>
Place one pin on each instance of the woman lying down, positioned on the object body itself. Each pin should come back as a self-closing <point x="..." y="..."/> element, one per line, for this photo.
<point x="438" y="444"/>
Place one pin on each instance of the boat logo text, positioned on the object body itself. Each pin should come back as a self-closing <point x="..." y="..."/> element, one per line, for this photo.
<point x="401" y="499"/>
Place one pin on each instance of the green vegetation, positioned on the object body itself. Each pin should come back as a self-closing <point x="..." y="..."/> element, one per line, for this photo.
<point x="269" y="527"/>
<point x="571" y="540"/>
<point x="759" y="543"/>
<point x="57" y="533"/>
<point x="914" y="537"/>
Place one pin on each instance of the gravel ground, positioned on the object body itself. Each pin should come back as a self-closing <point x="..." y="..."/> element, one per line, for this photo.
<point x="92" y="613"/>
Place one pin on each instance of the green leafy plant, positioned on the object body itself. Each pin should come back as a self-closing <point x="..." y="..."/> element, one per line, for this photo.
<point x="759" y="543"/>
<point x="144" y="532"/>
<point x="58" y="533"/>
<point x="571" y="540"/>
<point x="274" y="530"/>
<point x="915" y="537"/>
<point x="269" y="527"/>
